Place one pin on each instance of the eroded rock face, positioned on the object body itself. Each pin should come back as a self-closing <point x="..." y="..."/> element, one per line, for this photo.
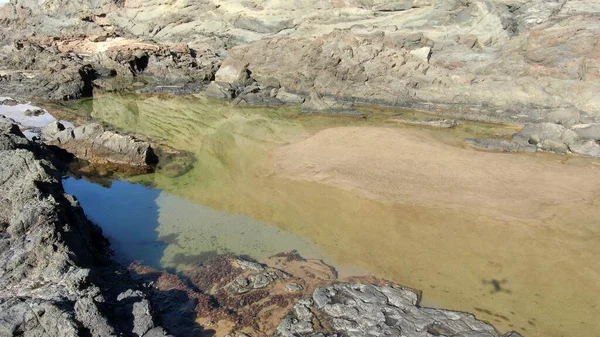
<point x="92" y="143"/>
<point x="56" y="276"/>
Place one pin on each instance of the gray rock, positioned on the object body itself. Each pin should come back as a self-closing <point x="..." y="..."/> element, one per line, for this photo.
<point x="233" y="72"/>
<point x="260" y="281"/>
<point x="50" y="132"/>
<point x="88" y="313"/>
<point x="47" y="287"/>
<point x="250" y="265"/>
<point x="142" y="317"/>
<point x="288" y="97"/>
<point x="91" y="142"/>
<point x="294" y="287"/>
<point x="587" y="148"/>
<point x="431" y="122"/>
<point x="542" y="131"/>
<point x="317" y="103"/>
<point x="503" y="145"/>
<point x="8" y="126"/>
<point x="219" y="90"/>
<point x="554" y="146"/>
<point x="587" y="131"/>
<point x="369" y="310"/>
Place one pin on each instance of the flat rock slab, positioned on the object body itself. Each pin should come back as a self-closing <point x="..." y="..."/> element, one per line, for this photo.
<point x="369" y="310"/>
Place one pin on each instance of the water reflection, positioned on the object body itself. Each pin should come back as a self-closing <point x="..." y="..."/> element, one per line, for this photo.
<point x="550" y="262"/>
<point x="166" y="231"/>
<point x="128" y="215"/>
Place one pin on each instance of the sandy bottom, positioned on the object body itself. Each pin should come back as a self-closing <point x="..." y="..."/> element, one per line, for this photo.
<point x="513" y="238"/>
<point x="511" y="235"/>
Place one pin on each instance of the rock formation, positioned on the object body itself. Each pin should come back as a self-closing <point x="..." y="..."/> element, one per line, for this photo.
<point x="501" y="60"/>
<point x="56" y="274"/>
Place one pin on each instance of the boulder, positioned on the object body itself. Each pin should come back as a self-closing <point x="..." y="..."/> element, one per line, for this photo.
<point x="503" y="145"/>
<point x="538" y="132"/>
<point x="219" y="90"/>
<point x="50" y="131"/>
<point x="587" y="148"/>
<point x="288" y="97"/>
<point x="233" y="72"/>
<point x="587" y="131"/>
<point x="323" y="104"/>
<point x="91" y="142"/>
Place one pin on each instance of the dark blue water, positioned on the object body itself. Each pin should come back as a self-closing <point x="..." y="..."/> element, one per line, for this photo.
<point x="128" y="215"/>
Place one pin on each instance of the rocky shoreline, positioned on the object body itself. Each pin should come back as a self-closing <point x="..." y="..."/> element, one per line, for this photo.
<point x="58" y="278"/>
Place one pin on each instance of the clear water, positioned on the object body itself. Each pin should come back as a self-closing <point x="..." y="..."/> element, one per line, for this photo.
<point x="545" y="267"/>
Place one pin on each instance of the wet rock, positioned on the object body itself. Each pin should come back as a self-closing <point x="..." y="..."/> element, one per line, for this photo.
<point x="34" y="112"/>
<point x="502" y="145"/>
<point x="91" y="142"/>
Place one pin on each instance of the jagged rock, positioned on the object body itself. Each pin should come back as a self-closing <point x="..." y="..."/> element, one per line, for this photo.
<point x="369" y="310"/>
<point x="91" y="142"/>
<point x="47" y="250"/>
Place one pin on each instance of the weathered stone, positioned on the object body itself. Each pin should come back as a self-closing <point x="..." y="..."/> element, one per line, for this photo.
<point x="46" y="285"/>
<point x="542" y="131"/>
<point x="585" y="148"/>
<point x="288" y="97"/>
<point x="587" y="131"/>
<point x="432" y="122"/>
<point x="369" y="310"/>
<point x="219" y="90"/>
<point x="233" y="72"/>
<point x="323" y="104"/>
<point x="501" y="145"/>
<point x="50" y="132"/>
<point x="91" y="142"/>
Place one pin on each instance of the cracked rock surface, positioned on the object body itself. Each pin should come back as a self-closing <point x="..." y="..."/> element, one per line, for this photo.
<point x="368" y="310"/>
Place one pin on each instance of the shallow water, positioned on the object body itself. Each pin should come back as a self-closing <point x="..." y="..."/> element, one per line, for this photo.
<point x="536" y="275"/>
